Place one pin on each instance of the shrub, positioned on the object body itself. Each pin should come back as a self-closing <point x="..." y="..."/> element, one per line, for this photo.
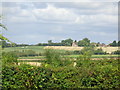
<point x="83" y="60"/>
<point x="55" y="58"/>
<point x="77" y="52"/>
<point x="117" y="52"/>
<point x="24" y="76"/>
<point x="99" y="74"/>
<point x="99" y="52"/>
<point x="25" y="53"/>
<point x="9" y="57"/>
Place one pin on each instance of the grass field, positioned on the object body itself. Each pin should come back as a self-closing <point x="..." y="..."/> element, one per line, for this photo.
<point x="61" y="49"/>
<point x="34" y="48"/>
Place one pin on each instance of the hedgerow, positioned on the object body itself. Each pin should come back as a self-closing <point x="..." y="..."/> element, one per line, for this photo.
<point x="102" y="74"/>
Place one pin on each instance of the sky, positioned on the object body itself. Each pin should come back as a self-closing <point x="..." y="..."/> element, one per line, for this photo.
<point x="38" y="22"/>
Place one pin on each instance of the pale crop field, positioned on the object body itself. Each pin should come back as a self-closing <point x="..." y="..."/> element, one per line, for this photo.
<point x="64" y="48"/>
<point x="70" y="48"/>
<point x="109" y="49"/>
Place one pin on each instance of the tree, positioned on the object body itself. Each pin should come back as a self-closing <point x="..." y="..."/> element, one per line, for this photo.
<point x="88" y="49"/>
<point x="67" y="42"/>
<point x="84" y="42"/>
<point x="3" y="43"/>
<point x="98" y="44"/>
<point x="114" y="43"/>
<point x="93" y="44"/>
<point x="117" y="52"/>
<point x="49" y="41"/>
<point x="118" y="43"/>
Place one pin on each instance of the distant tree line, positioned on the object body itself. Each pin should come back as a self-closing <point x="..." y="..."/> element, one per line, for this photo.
<point x="4" y="44"/>
<point x="84" y="42"/>
<point x="67" y="42"/>
<point x="115" y="43"/>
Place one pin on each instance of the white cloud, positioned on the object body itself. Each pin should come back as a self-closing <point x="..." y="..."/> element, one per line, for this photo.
<point x="54" y="14"/>
<point x="60" y="0"/>
<point x="102" y="34"/>
<point x="58" y="22"/>
<point x="100" y="20"/>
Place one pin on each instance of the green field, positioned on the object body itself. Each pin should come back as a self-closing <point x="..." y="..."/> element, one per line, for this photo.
<point x="40" y="49"/>
<point x="34" y="48"/>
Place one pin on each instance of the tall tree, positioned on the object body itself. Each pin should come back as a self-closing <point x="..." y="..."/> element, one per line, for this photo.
<point x="67" y="42"/>
<point x="84" y="42"/>
<point x="114" y="43"/>
<point x="118" y="43"/>
<point x="49" y="41"/>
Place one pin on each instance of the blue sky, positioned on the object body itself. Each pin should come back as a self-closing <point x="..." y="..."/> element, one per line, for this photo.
<point x="38" y="22"/>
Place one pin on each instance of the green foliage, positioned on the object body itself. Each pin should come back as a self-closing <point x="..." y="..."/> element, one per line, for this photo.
<point x="25" y="53"/>
<point x="67" y="42"/>
<point x="9" y="57"/>
<point x="4" y="44"/>
<point x="89" y="50"/>
<point x="96" y="74"/>
<point x="99" y="52"/>
<point x="59" y="72"/>
<point x="84" y="42"/>
<point x="24" y="76"/>
<point x="55" y="58"/>
<point x="1" y="25"/>
<point x="117" y="52"/>
<point x="115" y="43"/>
<point x="83" y="60"/>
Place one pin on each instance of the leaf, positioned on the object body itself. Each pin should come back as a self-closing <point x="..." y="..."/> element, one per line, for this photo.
<point x="3" y="38"/>
<point x="1" y="25"/>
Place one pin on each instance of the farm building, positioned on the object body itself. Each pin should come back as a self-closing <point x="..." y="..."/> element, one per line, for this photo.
<point x="74" y="44"/>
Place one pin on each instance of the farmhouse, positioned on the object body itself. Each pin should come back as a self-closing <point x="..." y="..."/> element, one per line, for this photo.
<point x="74" y="44"/>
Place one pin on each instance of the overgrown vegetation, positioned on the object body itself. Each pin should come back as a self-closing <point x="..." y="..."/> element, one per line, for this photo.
<point x="91" y="49"/>
<point x="25" y="53"/>
<point x="9" y="58"/>
<point x="55" y="59"/>
<point x="59" y="72"/>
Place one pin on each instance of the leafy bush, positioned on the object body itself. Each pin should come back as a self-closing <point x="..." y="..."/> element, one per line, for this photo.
<point x="77" y="52"/>
<point x="24" y="76"/>
<point x="88" y="49"/>
<point x="117" y="52"/>
<point x="58" y="73"/>
<point x="99" y="74"/>
<point x="91" y="50"/>
<point x="25" y="53"/>
<point x="9" y="57"/>
<point x="83" y="60"/>
<point x="55" y="58"/>
<point x="99" y="52"/>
